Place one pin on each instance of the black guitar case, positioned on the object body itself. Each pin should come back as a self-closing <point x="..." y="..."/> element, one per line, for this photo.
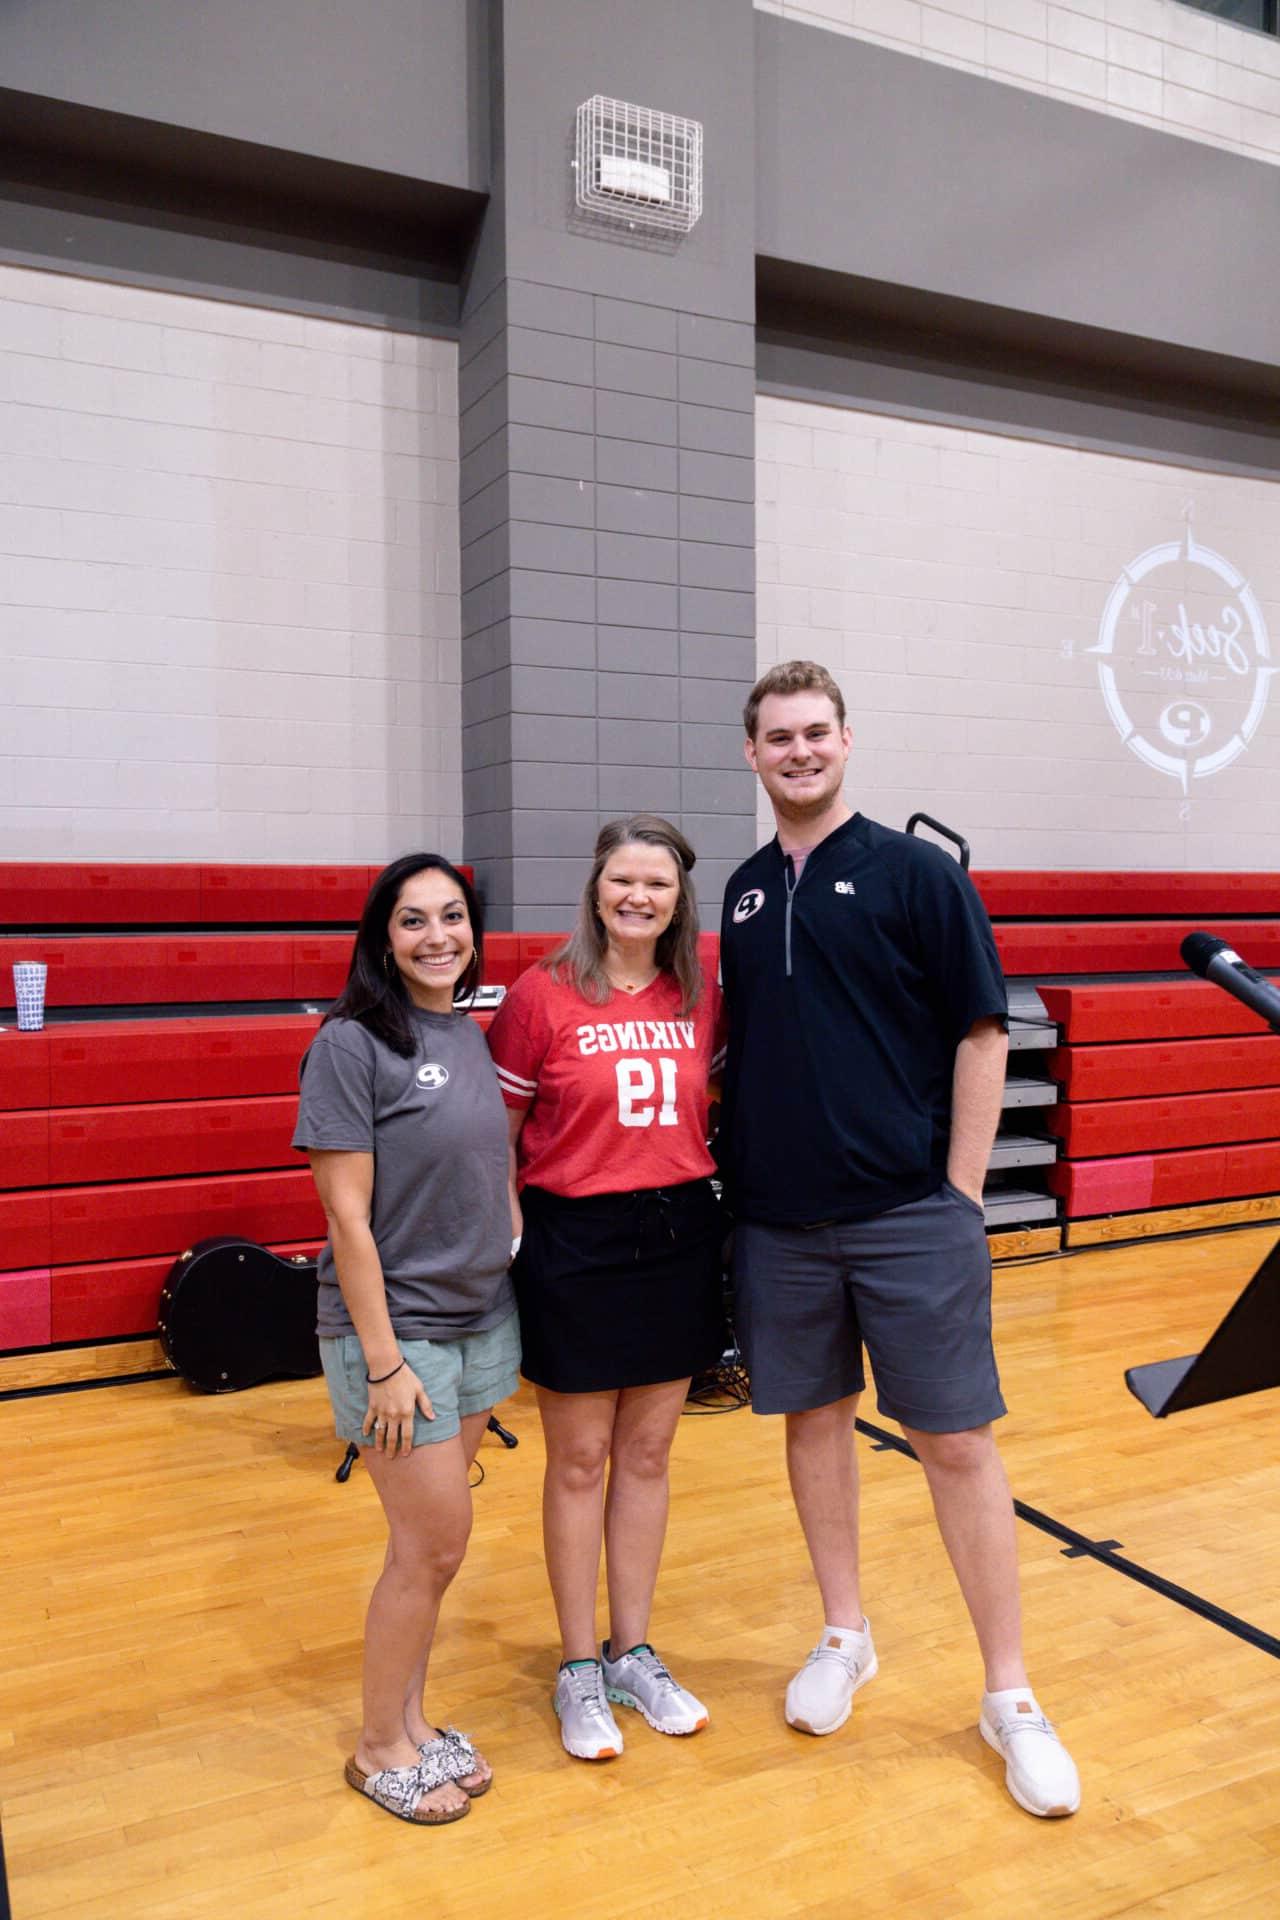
<point x="233" y="1314"/>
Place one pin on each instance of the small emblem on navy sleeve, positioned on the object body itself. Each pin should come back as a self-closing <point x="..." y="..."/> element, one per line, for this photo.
<point x="751" y="902"/>
<point x="433" y="1075"/>
<point x="845" y="886"/>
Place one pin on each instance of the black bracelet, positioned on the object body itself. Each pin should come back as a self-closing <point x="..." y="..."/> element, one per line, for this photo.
<point x="385" y="1376"/>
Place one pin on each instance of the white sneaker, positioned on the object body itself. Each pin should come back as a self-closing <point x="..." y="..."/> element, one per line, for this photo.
<point x="1039" y="1772"/>
<point x="587" y="1728"/>
<point x="638" y="1679"/>
<point x="821" y="1694"/>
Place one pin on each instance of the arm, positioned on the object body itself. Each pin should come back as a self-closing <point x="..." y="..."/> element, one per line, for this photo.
<point x="515" y="1120"/>
<point x="344" y="1182"/>
<point x="977" y="1089"/>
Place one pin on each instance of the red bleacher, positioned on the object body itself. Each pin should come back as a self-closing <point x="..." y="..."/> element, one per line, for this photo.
<point x="1171" y="1088"/>
<point x="67" y="894"/>
<point x="1120" y="1071"/>
<point x="1096" y="1127"/>
<point x="1031" y="949"/>
<point x="1022" y="895"/>
<point x="1153" y="1010"/>
<point x="123" y="1140"/>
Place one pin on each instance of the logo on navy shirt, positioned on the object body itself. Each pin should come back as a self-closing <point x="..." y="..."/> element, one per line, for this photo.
<point x="751" y="902"/>
<point x="433" y="1075"/>
<point x="845" y="886"/>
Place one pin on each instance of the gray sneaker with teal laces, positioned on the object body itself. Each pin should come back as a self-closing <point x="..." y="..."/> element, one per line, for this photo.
<point x="638" y="1679"/>
<point x="587" y="1728"/>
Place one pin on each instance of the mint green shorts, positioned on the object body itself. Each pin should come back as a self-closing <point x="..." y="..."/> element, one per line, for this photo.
<point x="466" y="1375"/>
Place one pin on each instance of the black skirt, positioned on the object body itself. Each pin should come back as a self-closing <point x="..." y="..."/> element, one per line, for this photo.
<point x="620" y="1289"/>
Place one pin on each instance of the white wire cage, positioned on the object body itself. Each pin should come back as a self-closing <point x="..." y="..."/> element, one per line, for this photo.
<point x="639" y="165"/>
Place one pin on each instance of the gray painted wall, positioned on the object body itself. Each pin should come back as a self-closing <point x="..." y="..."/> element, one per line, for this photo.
<point x="920" y="176"/>
<point x="387" y="85"/>
<point x="606" y="396"/>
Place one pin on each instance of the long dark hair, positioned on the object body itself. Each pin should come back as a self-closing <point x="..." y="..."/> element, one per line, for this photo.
<point x="581" y="956"/>
<point x="375" y="995"/>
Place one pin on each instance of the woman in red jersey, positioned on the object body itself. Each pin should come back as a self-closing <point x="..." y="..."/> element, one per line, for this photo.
<point x="604" y="1053"/>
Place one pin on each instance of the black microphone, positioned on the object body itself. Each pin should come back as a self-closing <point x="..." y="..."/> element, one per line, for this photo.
<point x="1215" y="960"/>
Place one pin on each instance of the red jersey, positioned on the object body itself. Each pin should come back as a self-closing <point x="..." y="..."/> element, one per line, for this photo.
<point x="616" y="1094"/>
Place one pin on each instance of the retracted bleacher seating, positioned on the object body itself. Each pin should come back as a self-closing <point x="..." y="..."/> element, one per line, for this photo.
<point x="1170" y="1111"/>
<point x="156" y="1106"/>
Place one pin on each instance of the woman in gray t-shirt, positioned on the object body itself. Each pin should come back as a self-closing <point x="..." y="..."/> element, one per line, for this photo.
<point x="406" y="1131"/>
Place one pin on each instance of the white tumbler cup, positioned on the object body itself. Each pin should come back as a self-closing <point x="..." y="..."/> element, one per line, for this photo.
<point x="29" y="977"/>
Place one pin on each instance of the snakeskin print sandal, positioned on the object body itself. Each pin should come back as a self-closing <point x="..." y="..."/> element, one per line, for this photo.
<point x="401" y="1791"/>
<point x="462" y="1759"/>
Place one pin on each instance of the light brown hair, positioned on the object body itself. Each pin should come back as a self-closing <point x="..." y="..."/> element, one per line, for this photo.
<point x="791" y="676"/>
<point x="581" y="957"/>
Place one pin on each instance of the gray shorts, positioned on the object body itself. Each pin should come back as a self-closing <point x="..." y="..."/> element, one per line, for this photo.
<point x="466" y="1375"/>
<point x="914" y="1284"/>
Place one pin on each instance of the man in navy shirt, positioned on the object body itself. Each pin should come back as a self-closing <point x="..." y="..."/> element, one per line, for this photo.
<point x="863" y="1086"/>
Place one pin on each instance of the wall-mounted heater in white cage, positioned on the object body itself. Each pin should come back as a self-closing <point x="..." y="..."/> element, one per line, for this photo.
<point x="639" y="165"/>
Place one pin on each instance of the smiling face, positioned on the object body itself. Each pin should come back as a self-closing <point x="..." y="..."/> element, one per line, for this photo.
<point x="429" y="937"/>
<point x="636" y="897"/>
<point x="800" y="752"/>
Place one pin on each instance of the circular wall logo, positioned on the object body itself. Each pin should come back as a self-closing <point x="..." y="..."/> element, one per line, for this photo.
<point x="1184" y="662"/>
<point x="751" y="902"/>
<point x="433" y="1075"/>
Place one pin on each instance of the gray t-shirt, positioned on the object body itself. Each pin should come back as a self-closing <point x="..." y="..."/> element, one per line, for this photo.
<point x="436" y="1126"/>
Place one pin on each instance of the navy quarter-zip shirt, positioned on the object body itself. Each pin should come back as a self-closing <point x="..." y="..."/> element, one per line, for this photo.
<point x="848" y="992"/>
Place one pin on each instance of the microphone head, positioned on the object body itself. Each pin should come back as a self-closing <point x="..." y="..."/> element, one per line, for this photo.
<point x="1198" y="949"/>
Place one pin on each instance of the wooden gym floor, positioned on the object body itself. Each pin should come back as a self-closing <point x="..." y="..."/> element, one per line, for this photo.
<point x="183" y="1585"/>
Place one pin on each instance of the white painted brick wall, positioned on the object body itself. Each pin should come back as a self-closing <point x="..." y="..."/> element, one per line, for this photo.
<point x="955" y="582"/>
<point x="1156" y="61"/>
<point x="228" y="581"/>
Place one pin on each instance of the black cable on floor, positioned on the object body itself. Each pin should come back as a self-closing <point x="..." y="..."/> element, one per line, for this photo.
<point x="724" y="1388"/>
<point x="1082" y="1546"/>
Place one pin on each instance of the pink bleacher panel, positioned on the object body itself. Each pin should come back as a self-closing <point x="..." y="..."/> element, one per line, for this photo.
<point x="1146" y="1010"/>
<point x="24" y="1069"/>
<point x="24" y="1150"/>
<point x="164" y="1216"/>
<point x="160" y="1138"/>
<point x="1119" y="1072"/>
<point x="1091" y="1129"/>
<point x="1122" y="946"/>
<point x="1140" y="1181"/>
<point x="281" y="895"/>
<point x="1024" y="895"/>
<point x="49" y="893"/>
<point x="25" y="1314"/>
<point x="100" y="1300"/>
<point x="96" y="1063"/>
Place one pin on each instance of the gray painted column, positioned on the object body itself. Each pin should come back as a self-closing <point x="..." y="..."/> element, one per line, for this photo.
<point x="607" y="391"/>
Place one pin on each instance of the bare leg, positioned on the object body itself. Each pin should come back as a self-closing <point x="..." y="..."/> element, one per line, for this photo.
<point x="416" y="1724"/>
<point x="975" y="1518"/>
<point x="428" y="1507"/>
<point x="578" y="1430"/>
<point x="635" y="1515"/>
<point x="823" y="1469"/>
